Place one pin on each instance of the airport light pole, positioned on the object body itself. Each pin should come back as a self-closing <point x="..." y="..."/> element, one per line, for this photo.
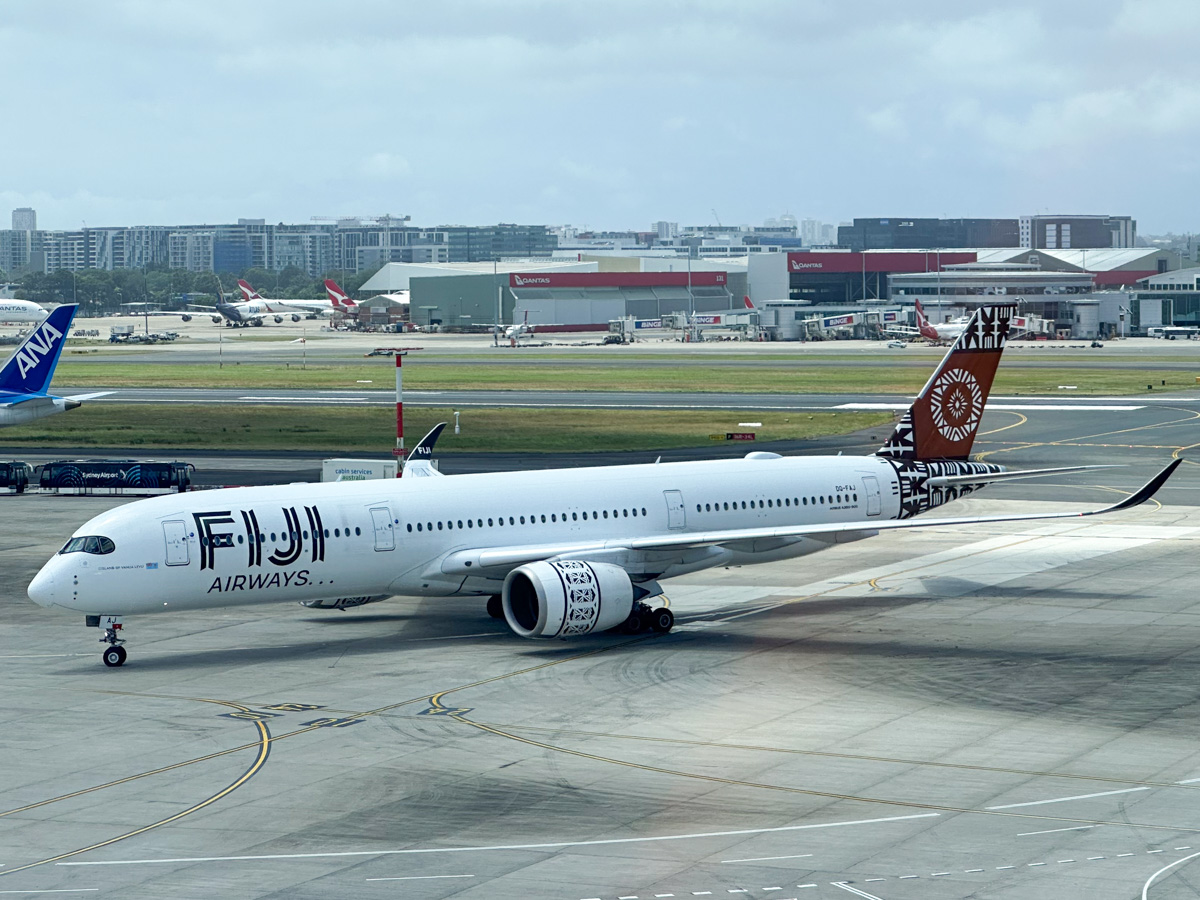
<point x="399" y="451"/>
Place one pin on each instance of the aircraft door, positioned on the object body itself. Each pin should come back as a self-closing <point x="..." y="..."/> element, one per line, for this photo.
<point x="175" y="535"/>
<point x="676" y="515"/>
<point x="385" y="536"/>
<point x="871" y="488"/>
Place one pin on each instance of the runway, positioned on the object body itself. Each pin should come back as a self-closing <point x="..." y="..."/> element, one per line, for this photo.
<point x="1005" y="711"/>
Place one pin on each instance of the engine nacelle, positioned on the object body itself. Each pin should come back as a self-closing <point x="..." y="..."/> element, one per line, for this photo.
<point x="217" y="320"/>
<point x="186" y="317"/>
<point x="295" y="318"/>
<point x="566" y="598"/>
<point x="279" y="320"/>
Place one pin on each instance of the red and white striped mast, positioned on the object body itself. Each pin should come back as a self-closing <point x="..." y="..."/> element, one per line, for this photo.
<point x="399" y="452"/>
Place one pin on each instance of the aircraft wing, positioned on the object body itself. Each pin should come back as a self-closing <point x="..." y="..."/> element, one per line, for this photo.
<point x="463" y="562"/>
<point x="199" y="306"/>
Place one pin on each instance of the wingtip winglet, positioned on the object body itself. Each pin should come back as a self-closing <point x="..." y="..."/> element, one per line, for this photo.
<point x="1149" y="489"/>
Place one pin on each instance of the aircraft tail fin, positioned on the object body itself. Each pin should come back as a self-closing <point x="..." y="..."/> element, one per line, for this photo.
<point x="942" y="421"/>
<point x="29" y="370"/>
<point x="248" y="293"/>
<point x="337" y="297"/>
<point x="749" y="303"/>
<point x="923" y="325"/>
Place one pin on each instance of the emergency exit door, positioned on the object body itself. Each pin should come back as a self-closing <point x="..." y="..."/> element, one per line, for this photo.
<point x="385" y="537"/>
<point x="871" y="489"/>
<point x="676" y="515"/>
<point x="175" y="535"/>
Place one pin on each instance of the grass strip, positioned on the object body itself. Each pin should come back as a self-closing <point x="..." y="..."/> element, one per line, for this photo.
<point x="182" y="427"/>
<point x="720" y="378"/>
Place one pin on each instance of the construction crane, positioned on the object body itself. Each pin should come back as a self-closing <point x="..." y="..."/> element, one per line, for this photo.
<point x="386" y="220"/>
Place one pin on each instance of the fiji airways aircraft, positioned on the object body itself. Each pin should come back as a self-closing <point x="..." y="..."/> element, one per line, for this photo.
<point x="559" y="553"/>
<point x="25" y="378"/>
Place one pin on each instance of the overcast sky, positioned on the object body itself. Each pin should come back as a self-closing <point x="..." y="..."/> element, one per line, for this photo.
<point x="610" y="115"/>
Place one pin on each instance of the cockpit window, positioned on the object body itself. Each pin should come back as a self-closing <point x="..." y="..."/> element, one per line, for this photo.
<point x="89" y="544"/>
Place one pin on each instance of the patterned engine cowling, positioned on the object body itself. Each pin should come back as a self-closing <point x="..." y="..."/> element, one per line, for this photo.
<point x="566" y="598"/>
<point x="913" y="477"/>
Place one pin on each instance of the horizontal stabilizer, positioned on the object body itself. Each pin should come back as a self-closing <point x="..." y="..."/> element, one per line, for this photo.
<point x="988" y="477"/>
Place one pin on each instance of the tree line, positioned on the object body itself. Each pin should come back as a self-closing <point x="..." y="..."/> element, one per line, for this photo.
<point x="103" y="291"/>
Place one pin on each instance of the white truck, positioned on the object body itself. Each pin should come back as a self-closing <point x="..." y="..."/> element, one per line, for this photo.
<point x="357" y="469"/>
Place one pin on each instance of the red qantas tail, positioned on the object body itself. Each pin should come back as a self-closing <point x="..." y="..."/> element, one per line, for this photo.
<point x="337" y="297"/>
<point x="248" y="293"/>
<point x="746" y="300"/>
<point x="923" y="326"/>
<point x="942" y="421"/>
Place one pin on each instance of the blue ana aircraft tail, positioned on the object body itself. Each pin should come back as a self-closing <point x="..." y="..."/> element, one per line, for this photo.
<point x="29" y="370"/>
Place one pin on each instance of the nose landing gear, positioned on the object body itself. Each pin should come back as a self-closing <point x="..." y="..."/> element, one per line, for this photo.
<point x="114" y="654"/>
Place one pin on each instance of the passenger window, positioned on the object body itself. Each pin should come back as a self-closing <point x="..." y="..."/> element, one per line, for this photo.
<point x="643" y="510"/>
<point x="770" y="503"/>
<point x="337" y="532"/>
<point x="585" y="517"/>
<point x="489" y="523"/>
<point x="239" y="538"/>
<point x="543" y="517"/>
<point x="439" y="526"/>
<point x="625" y="513"/>
<point x="804" y="500"/>
<point x="706" y="508"/>
<point x="357" y="531"/>
<point x="479" y="522"/>
<point x="272" y="537"/>
<point x="606" y="514"/>
<point x="522" y="520"/>
<point x="419" y="527"/>
<point x="460" y="523"/>
<point x="512" y="521"/>
<point x="470" y="524"/>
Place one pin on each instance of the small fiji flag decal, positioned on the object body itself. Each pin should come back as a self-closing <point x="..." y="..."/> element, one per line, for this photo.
<point x="151" y="565"/>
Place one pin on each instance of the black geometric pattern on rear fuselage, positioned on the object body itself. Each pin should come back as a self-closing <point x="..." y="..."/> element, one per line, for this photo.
<point x="913" y="476"/>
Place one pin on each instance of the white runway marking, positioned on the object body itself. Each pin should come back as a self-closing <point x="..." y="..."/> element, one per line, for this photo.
<point x="1166" y="868"/>
<point x="554" y="845"/>
<point x="1065" y="799"/>
<point x="417" y="877"/>
<point x="1012" y="407"/>
<point x="764" y="858"/>
<point x="854" y="890"/>
<point x="1057" y="830"/>
<point x="55" y="891"/>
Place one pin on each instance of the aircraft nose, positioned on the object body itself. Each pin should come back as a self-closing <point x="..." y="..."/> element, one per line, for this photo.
<point x="43" y="590"/>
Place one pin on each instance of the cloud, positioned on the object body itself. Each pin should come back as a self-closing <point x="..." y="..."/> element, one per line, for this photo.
<point x="385" y="165"/>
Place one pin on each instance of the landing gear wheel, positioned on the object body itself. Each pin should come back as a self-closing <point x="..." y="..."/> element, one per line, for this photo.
<point x="114" y="656"/>
<point x="662" y="620"/>
<point x="635" y="624"/>
<point x="495" y="607"/>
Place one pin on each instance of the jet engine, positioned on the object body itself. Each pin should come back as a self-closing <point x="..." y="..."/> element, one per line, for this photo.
<point x="279" y="320"/>
<point x="187" y="318"/>
<point x="295" y="318"/>
<point x="566" y="598"/>
<point x="216" y="320"/>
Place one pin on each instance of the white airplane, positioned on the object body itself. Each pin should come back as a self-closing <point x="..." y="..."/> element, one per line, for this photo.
<point x="943" y="332"/>
<point x="559" y="552"/>
<point x="25" y="378"/>
<point x="21" y="311"/>
<point x="326" y="307"/>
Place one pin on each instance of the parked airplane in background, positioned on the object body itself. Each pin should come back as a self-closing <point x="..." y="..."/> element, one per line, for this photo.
<point x="339" y="299"/>
<point x="21" y="311"/>
<point x="315" y="307"/>
<point x="944" y="332"/>
<point x="25" y="378"/>
<point x="558" y="552"/>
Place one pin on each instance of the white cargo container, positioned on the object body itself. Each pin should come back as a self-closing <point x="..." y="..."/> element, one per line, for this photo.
<point x="357" y="469"/>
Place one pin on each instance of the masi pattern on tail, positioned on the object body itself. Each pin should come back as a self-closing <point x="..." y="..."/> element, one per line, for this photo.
<point x="941" y="423"/>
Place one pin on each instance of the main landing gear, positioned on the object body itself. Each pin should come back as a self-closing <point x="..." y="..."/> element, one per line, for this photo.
<point x="114" y="654"/>
<point x="495" y="606"/>
<point x="643" y="617"/>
